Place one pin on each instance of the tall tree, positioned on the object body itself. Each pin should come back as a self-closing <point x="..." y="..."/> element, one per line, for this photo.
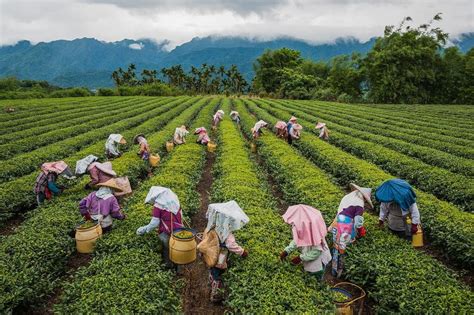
<point x="401" y="67"/>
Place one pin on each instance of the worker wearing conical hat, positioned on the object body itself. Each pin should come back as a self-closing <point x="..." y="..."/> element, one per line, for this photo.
<point x="218" y="116"/>
<point x="293" y="133"/>
<point x="102" y="205"/>
<point x="112" y="145"/>
<point x="180" y="134"/>
<point x="144" y="151"/>
<point x="257" y="129"/>
<point x="98" y="172"/>
<point x="203" y="137"/>
<point x="280" y="130"/>
<point x="348" y="224"/>
<point x="234" y="115"/>
<point x="323" y="131"/>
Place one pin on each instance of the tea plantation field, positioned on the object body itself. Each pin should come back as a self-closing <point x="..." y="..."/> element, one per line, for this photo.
<point x="430" y="146"/>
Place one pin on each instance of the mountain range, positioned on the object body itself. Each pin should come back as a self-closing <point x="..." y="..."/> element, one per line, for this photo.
<point x="89" y="62"/>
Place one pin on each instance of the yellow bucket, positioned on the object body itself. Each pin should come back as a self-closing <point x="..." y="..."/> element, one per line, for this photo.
<point x="154" y="160"/>
<point x="253" y="147"/>
<point x="353" y="294"/>
<point x="211" y="147"/>
<point x="169" y="146"/>
<point x="183" y="249"/>
<point x="417" y="238"/>
<point x="86" y="238"/>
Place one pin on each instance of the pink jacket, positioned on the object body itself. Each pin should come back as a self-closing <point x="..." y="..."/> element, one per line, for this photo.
<point x="232" y="245"/>
<point x="165" y="220"/>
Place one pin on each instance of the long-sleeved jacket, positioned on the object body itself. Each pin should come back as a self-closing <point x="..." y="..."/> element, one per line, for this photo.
<point x="231" y="244"/>
<point x="313" y="257"/>
<point x="96" y="206"/>
<point x="397" y="216"/>
<point x="48" y="181"/>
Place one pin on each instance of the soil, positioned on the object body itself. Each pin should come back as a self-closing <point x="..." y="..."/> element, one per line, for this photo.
<point x="74" y="262"/>
<point x="196" y="275"/>
<point x="11" y="225"/>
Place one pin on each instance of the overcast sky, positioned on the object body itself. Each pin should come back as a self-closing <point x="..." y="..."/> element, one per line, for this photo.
<point x="180" y="20"/>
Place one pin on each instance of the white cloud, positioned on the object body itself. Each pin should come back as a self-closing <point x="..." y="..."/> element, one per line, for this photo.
<point x="181" y="20"/>
<point x="136" y="46"/>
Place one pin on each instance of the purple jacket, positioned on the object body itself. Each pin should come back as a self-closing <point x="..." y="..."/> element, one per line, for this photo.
<point x="165" y="220"/>
<point x="92" y="204"/>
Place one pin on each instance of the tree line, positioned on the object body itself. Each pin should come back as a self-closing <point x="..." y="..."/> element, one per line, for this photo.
<point x="407" y="65"/>
<point x="206" y="79"/>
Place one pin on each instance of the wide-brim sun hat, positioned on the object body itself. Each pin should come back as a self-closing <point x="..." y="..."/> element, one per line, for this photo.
<point x="297" y="127"/>
<point x="293" y="118"/>
<point x="221" y="111"/>
<point x="366" y="192"/>
<point x="123" y="141"/>
<point x="112" y="184"/>
<point x="135" y="139"/>
<point x="320" y="125"/>
<point x="106" y="167"/>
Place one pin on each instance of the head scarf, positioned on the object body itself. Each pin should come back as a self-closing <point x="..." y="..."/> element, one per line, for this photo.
<point x="82" y="165"/>
<point x="181" y="132"/>
<point x="225" y="218"/>
<point x="163" y="198"/>
<point x="199" y="130"/>
<point x="234" y="113"/>
<point x="112" y="143"/>
<point x="104" y="193"/>
<point x="308" y="227"/>
<point x="396" y="190"/>
<point x="54" y="167"/>
<point x="141" y="139"/>
<point x="259" y="124"/>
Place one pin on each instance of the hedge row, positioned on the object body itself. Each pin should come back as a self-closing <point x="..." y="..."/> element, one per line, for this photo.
<point x="435" y="126"/>
<point x="397" y="277"/>
<point x="25" y="163"/>
<point x="439" y="219"/>
<point x="34" y="258"/>
<point x="355" y="123"/>
<point x="93" y="119"/>
<point x="25" y="108"/>
<point x="17" y="195"/>
<point x="428" y="155"/>
<point x="130" y="264"/>
<point x="67" y="119"/>
<point x="260" y="283"/>
<point x="452" y="187"/>
<point x="35" y="119"/>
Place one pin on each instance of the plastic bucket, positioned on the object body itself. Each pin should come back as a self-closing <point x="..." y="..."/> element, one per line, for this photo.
<point x="211" y="147"/>
<point x="417" y="238"/>
<point x="182" y="249"/>
<point x="354" y="298"/>
<point x="154" y="160"/>
<point x="86" y="238"/>
<point x="169" y="146"/>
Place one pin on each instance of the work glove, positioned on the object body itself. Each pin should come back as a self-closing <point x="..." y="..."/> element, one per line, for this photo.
<point x="142" y="230"/>
<point x="381" y="224"/>
<point x="361" y="232"/>
<point x="244" y="254"/>
<point x="283" y="255"/>
<point x="296" y="261"/>
<point x="414" y="228"/>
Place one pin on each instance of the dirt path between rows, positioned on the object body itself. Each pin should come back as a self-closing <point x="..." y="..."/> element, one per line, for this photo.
<point x="196" y="275"/>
